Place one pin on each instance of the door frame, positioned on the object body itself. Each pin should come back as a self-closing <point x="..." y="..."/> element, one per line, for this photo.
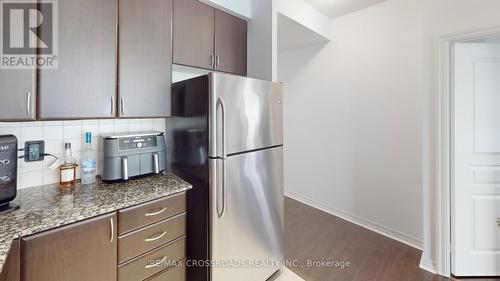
<point x="444" y="143"/>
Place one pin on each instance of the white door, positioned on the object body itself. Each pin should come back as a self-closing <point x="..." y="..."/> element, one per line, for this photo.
<point x="476" y="161"/>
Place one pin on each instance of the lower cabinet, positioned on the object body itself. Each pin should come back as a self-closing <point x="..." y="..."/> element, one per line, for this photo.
<point x="145" y="266"/>
<point x="78" y="252"/>
<point x="154" y="246"/>
<point x="143" y="242"/>
<point x="175" y="274"/>
<point x="11" y="269"/>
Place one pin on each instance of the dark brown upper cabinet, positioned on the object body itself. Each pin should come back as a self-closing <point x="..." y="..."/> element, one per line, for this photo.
<point x="84" y="85"/>
<point x="230" y="43"/>
<point x="145" y="58"/>
<point x="78" y="252"/>
<point x="18" y="97"/>
<point x="208" y="38"/>
<point x="193" y="34"/>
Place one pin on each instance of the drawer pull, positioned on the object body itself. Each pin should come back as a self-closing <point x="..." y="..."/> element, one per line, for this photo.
<point x="155" y="264"/>
<point x="155" y="213"/>
<point x="155" y="238"/>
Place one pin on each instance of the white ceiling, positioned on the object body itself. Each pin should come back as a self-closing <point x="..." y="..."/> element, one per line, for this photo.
<point x="337" y="8"/>
<point x="292" y="35"/>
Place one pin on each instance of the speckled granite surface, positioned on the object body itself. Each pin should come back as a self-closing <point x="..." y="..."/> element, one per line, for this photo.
<point x="48" y="207"/>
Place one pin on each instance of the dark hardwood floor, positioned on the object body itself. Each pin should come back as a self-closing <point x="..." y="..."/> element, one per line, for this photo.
<point x="312" y="235"/>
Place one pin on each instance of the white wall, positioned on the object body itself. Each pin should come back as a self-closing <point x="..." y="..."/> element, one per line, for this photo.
<point x="263" y="32"/>
<point x="239" y="8"/>
<point x="363" y="110"/>
<point x="262" y="40"/>
<point x="181" y="72"/>
<point x="443" y="18"/>
<point x="56" y="133"/>
<point x="353" y="120"/>
<point x="292" y="35"/>
<point x="304" y="14"/>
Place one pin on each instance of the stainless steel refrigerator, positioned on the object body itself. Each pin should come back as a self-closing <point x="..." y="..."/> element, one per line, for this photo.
<point x="226" y="138"/>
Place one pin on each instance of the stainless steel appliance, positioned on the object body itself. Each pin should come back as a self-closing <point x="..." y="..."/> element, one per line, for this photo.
<point x="131" y="155"/>
<point x="8" y="173"/>
<point x="226" y="138"/>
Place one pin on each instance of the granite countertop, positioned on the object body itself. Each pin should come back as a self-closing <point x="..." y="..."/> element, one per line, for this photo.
<point x="47" y="207"/>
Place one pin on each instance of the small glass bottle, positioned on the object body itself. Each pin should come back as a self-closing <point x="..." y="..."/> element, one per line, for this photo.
<point x="88" y="161"/>
<point x="67" y="169"/>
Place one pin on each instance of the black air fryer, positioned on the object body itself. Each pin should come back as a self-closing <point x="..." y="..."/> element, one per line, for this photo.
<point x="8" y="173"/>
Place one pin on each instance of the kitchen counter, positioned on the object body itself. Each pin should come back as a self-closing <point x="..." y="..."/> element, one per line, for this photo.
<point x="47" y="207"/>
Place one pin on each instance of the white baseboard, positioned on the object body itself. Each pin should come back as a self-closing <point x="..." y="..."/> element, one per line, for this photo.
<point x="428" y="265"/>
<point x="365" y="223"/>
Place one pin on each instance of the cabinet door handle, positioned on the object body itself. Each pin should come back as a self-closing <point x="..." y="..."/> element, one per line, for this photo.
<point x="28" y="103"/>
<point x="160" y="262"/>
<point x="155" y="238"/>
<point x="217" y="61"/>
<point x="122" y="106"/>
<point x="212" y="62"/>
<point x="156" y="213"/>
<point x="112" y="230"/>
<point x="112" y="106"/>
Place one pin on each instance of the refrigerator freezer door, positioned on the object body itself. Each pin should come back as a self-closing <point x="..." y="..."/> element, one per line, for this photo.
<point x="253" y="111"/>
<point x="247" y="221"/>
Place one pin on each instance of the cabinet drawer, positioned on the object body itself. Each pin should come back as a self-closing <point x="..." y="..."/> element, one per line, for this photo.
<point x="140" y="241"/>
<point x="177" y="273"/>
<point x="148" y="213"/>
<point x="154" y="262"/>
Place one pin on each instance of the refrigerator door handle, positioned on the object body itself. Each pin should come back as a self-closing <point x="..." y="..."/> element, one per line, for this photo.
<point x="218" y="187"/>
<point x="222" y="206"/>
<point x="222" y="104"/>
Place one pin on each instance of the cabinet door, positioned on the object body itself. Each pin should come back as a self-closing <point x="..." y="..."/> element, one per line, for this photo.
<point x="145" y="58"/>
<point x="17" y="99"/>
<point x="193" y="34"/>
<point x="84" y="85"/>
<point x="10" y="270"/>
<point x="230" y="43"/>
<point x="79" y="252"/>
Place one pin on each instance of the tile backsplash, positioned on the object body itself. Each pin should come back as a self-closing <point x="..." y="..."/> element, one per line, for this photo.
<point x="56" y="133"/>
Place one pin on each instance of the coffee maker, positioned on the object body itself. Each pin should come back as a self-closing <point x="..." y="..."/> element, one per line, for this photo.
<point x="8" y="173"/>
